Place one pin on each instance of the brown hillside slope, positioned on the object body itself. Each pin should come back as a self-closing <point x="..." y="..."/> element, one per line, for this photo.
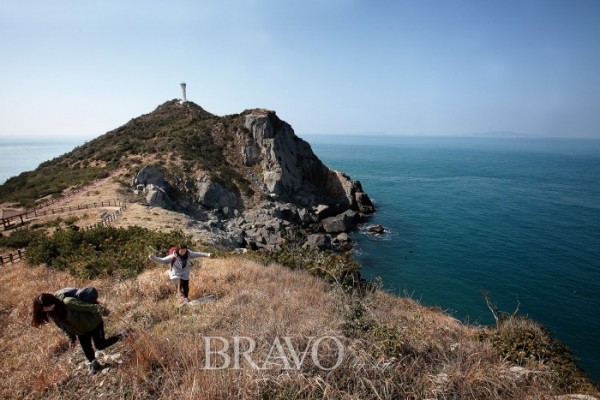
<point x="392" y="347"/>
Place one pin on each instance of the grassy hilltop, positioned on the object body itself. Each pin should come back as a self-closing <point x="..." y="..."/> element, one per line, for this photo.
<point x="179" y="138"/>
<point x="287" y="302"/>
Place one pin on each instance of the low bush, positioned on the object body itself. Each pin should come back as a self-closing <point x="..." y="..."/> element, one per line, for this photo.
<point x="100" y="252"/>
<point x="20" y="238"/>
<point x="522" y="341"/>
<point x="336" y="268"/>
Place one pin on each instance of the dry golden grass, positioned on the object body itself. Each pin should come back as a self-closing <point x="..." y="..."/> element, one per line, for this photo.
<point x="407" y="351"/>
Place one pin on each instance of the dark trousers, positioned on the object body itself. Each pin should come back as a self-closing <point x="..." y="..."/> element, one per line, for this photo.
<point x="182" y="285"/>
<point x="97" y="335"/>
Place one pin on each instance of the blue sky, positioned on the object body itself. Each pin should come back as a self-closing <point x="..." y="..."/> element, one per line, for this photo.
<point x="451" y="67"/>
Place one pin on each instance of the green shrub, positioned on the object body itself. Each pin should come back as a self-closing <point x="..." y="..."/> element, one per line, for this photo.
<point x="357" y="319"/>
<point x="521" y="340"/>
<point x="388" y="340"/>
<point x="337" y="268"/>
<point x="70" y="221"/>
<point x="55" y="222"/>
<point x="20" y="238"/>
<point x="100" y="252"/>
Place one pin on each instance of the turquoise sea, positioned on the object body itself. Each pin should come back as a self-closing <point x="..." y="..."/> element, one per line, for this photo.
<point x="20" y="154"/>
<point x="519" y="218"/>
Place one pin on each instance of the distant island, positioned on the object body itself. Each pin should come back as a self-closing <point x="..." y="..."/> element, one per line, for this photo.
<point x="503" y="134"/>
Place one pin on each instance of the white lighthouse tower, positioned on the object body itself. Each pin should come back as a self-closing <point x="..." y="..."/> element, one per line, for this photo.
<point x="183" y="99"/>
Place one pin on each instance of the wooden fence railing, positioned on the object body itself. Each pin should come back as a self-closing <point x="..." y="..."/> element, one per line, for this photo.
<point x="107" y="219"/>
<point x="58" y="210"/>
<point x="30" y="214"/>
<point x="11" y="257"/>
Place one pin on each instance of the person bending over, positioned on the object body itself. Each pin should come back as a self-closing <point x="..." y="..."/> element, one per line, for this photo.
<point x="78" y="319"/>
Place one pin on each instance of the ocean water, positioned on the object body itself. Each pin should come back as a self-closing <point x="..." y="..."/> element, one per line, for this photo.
<point x="519" y="218"/>
<point x="18" y="154"/>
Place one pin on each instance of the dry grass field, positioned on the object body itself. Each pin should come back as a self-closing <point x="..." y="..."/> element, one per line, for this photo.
<point x="408" y="352"/>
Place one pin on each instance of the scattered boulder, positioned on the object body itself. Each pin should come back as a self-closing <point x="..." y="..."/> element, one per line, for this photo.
<point x="322" y="211"/>
<point x="376" y="229"/>
<point x="305" y="217"/>
<point x="343" y="222"/>
<point x="149" y="175"/>
<point x="213" y="195"/>
<point x="318" y="241"/>
<point x="343" y="237"/>
<point x="516" y="373"/>
<point x="286" y="211"/>
<point x="157" y="197"/>
<point x="342" y="242"/>
<point x="365" y="206"/>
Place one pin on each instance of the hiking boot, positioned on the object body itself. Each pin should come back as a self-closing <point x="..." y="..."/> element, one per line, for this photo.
<point x="94" y="366"/>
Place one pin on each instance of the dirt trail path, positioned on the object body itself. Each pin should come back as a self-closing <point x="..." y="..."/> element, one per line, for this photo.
<point x="132" y="214"/>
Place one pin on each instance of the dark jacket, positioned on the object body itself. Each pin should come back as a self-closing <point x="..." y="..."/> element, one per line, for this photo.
<point x="81" y="317"/>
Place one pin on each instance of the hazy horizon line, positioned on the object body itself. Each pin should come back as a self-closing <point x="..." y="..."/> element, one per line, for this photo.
<point x="491" y="134"/>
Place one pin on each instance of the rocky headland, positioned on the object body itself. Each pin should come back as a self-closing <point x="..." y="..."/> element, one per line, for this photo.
<point x="280" y="185"/>
<point x="242" y="180"/>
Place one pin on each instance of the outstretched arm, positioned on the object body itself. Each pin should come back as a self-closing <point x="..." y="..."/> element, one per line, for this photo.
<point x="163" y="260"/>
<point x="196" y="254"/>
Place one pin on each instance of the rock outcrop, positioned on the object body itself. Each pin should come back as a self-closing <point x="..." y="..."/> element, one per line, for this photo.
<point x="291" y="172"/>
<point x="377" y="229"/>
<point x="152" y="180"/>
<point x="343" y="222"/>
<point x="286" y="187"/>
<point x="212" y="195"/>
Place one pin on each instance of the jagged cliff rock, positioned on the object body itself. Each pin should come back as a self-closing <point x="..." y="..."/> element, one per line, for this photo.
<point x="291" y="172"/>
<point x="268" y="183"/>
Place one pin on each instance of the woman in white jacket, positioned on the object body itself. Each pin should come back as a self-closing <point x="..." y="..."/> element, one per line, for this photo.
<point x="180" y="269"/>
